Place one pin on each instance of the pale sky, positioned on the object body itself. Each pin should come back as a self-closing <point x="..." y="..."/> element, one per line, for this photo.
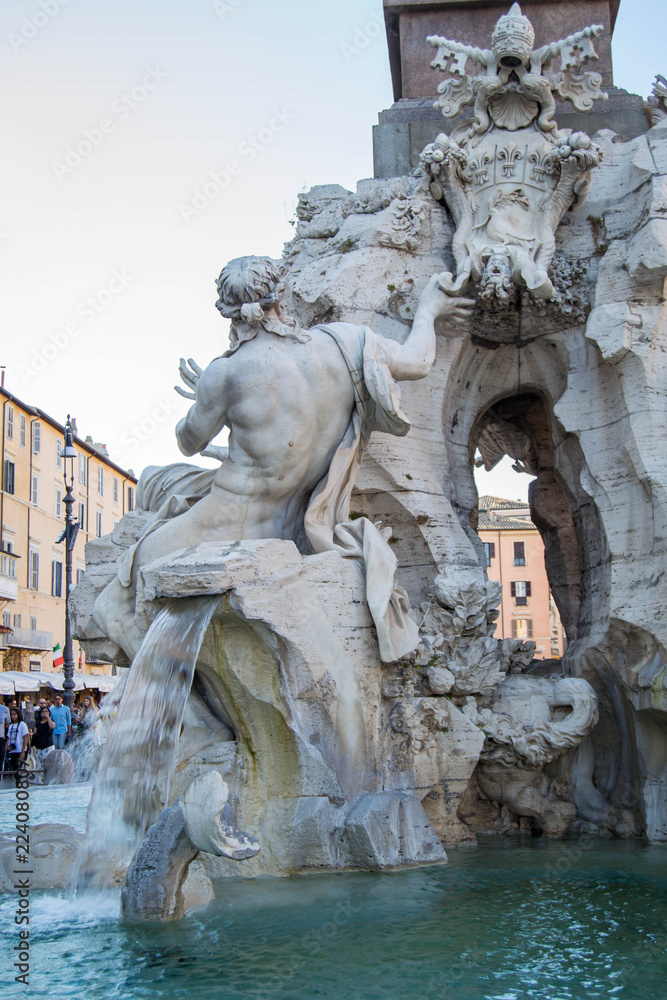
<point x="108" y="260"/>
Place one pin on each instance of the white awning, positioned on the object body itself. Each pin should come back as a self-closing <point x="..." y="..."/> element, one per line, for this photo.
<point x="12" y="681"/>
<point x="21" y="681"/>
<point x="6" y="687"/>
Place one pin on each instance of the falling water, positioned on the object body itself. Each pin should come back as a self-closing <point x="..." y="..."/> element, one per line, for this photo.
<point x="138" y="759"/>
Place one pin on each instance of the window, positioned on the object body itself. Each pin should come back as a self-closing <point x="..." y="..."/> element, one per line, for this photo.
<point x="98" y="521"/>
<point x="130" y="498"/>
<point x="33" y="624"/>
<point x="522" y="628"/>
<point x="80" y="573"/>
<point x="115" y="490"/>
<point x="59" y="454"/>
<point x="82" y="515"/>
<point x="521" y="592"/>
<point x="8" y="566"/>
<point x="34" y="570"/>
<point x="59" y="503"/>
<point x="56" y="578"/>
<point x="36" y="438"/>
<point x="17" y="621"/>
<point x="22" y="430"/>
<point x="519" y="553"/>
<point x="100" y="481"/>
<point x="35" y="665"/>
<point x="490" y="550"/>
<point x="6" y="619"/>
<point x="34" y="490"/>
<point x="82" y="470"/>
<point x="8" y="477"/>
<point x="10" y="423"/>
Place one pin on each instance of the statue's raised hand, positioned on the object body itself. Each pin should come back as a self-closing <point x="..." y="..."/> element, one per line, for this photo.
<point x="438" y="303"/>
<point x="190" y="376"/>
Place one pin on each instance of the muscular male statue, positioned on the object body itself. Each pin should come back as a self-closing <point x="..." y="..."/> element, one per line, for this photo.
<point x="300" y="408"/>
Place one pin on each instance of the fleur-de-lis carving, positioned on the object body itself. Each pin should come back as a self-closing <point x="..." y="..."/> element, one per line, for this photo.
<point x="509" y="156"/>
<point x="541" y="165"/>
<point x="479" y="167"/>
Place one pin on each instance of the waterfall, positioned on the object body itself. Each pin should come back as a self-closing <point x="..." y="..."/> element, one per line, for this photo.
<point x="132" y="783"/>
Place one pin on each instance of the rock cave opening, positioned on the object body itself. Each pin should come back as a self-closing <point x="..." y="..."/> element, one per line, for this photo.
<point x="523" y="427"/>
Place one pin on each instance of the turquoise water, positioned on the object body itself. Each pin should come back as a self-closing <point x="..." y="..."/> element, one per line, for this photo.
<point x="506" y="920"/>
<point x="66" y="804"/>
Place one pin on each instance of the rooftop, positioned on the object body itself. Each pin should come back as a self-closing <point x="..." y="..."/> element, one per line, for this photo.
<point x="99" y="449"/>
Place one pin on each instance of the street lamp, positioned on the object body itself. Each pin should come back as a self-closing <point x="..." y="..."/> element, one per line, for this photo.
<point x="71" y="531"/>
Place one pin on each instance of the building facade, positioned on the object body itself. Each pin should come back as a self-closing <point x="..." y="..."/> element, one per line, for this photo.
<point x="515" y="558"/>
<point x="32" y="511"/>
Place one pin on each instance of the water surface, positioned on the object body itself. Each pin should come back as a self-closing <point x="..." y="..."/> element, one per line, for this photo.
<point x="506" y="920"/>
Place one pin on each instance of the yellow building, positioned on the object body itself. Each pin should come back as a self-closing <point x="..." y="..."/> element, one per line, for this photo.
<point x="32" y="511"/>
<point x="515" y="558"/>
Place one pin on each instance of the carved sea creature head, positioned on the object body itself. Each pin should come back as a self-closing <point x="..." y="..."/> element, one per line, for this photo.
<point x="497" y="282"/>
<point x="513" y="39"/>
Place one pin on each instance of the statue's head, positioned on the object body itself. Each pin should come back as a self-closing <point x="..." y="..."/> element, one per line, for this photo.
<point x="513" y="39"/>
<point x="250" y="293"/>
<point x="249" y="285"/>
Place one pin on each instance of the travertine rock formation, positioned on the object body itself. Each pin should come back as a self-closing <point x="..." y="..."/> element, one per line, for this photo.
<point x="337" y="759"/>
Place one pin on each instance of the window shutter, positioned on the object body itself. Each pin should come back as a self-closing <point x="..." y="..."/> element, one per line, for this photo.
<point x="36" y="438"/>
<point x="529" y="628"/>
<point x="528" y="594"/>
<point x="492" y="550"/>
<point x="513" y="586"/>
<point x="513" y="628"/>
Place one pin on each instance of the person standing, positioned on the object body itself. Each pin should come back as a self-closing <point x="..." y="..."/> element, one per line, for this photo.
<point x="90" y="719"/>
<point x="17" y="741"/>
<point x="4" y="722"/>
<point x="60" y="714"/>
<point x="42" y="740"/>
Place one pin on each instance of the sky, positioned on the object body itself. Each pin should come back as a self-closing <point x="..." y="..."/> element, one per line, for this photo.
<point x="144" y="145"/>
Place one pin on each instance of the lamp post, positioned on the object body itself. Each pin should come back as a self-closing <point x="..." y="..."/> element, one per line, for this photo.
<point x="71" y="531"/>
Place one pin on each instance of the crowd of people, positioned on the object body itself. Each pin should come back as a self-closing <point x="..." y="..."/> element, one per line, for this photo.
<point x="39" y="729"/>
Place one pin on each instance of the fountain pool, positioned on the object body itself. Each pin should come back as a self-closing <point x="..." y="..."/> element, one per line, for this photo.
<point x="506" y="920"/>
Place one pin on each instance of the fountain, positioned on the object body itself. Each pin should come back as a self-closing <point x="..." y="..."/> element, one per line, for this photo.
<point x="308" y="628"/>
<point x="291" y="661"/>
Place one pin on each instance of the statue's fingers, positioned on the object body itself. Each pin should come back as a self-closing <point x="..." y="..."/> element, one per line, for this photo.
<point x="182" y="392"/>
<point x="195" y="367"/>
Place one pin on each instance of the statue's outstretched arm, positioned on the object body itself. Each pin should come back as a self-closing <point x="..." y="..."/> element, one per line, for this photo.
<point x="414" y="358"/>
<point x="208" y="415"/>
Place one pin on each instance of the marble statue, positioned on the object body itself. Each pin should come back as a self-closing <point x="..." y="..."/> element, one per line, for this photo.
<point x="509" y="178"/>
<point x="352" y="689"/>
<point x="300" y="408"/>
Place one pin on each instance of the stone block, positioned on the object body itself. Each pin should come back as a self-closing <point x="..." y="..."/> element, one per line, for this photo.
<point x="304" y="833"/>
<point x="216" y="568"/>
<point x="390" y="831"/>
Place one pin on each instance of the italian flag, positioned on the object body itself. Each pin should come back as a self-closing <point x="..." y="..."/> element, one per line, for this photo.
<point x="58" y="659"/>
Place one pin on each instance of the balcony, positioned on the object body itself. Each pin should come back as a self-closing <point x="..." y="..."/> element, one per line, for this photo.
<point x="8" y="574"/>
<point x="8" y="588"/>
<point x="27" y="638"/>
